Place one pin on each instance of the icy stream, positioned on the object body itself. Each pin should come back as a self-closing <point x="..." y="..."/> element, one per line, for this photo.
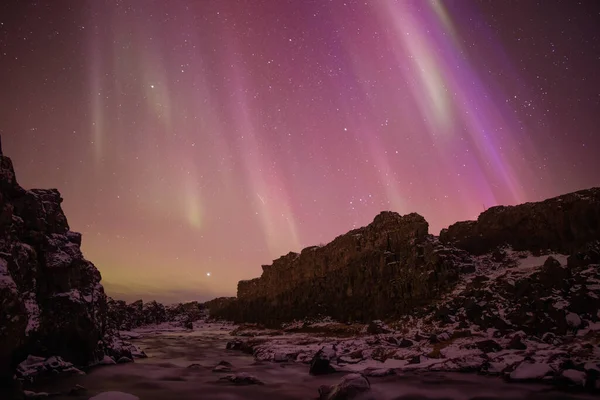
<point x="165" y="374"/>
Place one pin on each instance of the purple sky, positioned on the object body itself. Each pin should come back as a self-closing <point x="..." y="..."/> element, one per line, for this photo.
<point x="190" y="137"/>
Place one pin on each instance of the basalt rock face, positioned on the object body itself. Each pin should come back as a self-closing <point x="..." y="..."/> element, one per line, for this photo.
<point x="51" y="299"/>
<point x="378" y="271"/>
<point x="393" y="268"/>
<point x="562" y="224"/>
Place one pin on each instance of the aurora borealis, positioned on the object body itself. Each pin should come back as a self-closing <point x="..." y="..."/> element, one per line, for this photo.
<point x="197" y="137"/>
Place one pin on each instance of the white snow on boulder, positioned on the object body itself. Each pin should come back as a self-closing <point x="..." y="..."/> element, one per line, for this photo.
<point x="114" y="396"/>
<point x="577" y="377"/>
<point x="527" y="371"/>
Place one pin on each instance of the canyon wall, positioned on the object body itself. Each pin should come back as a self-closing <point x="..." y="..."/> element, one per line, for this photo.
<point x="393" y="267"/>
<point x="51" y="299"/>
<point x="562" y="224"/>
<point x="378" y="271"/>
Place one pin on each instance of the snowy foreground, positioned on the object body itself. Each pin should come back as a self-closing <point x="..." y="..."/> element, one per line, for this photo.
<point x="184" y="364"/>
<point x="468" y="346"/>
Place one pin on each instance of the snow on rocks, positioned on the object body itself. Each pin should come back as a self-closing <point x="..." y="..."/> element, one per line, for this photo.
<point x="575" y="377"/>
<point x="527" y="371"/>
<point x="349" y="388"/>
<point x="34" y="366"/>
<point x="114" y="396"/>
<point x="107" y="360"/>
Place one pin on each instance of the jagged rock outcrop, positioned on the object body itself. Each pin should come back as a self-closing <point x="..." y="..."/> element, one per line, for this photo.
<point x="51" y="299"/>
<point x="562" y="224"/>
<point x="379" y="271"/>
<point x="125" y="316"/>
<point x="393" y="267"/>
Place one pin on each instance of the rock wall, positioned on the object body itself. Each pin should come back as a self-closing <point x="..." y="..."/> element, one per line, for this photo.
<point x="378" y="271"/>
<point x="51" y="299"/>
<point x="393" y="267"/>
<point x="564" y="224"/>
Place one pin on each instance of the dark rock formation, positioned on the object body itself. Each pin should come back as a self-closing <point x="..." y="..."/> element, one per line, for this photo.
<point x="393" y="268"/>
<point x="321" y="362"/>
<point x="51" y="299"/>
<point x="563" y="224"/>
<point x="125" y="316"/>
<point x="382" y="270"/>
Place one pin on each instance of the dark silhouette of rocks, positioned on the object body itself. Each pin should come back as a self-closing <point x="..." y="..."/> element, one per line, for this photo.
<point x="51" y="299"/>
<point x="393" y="268"/>
<point x="563" y="224"/>
<point x="379" y="271"/>
<point x="125" y="316"/>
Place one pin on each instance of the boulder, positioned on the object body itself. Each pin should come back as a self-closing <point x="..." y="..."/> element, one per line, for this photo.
<point x="321" y="362"/>
<point x="529" y="371"/>
<point x="488" y="346"/>
<point x="349" y="388"/>
<point x="516" y="343"/>
<point x="242" y="379"/>
<point x="378" y="327"/>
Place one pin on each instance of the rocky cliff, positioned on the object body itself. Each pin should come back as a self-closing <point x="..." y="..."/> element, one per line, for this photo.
<point x="382" y="270"/>
<point x="393" y="267"/>
<point x="563" y="224"/>
<point x="51" y="299"/>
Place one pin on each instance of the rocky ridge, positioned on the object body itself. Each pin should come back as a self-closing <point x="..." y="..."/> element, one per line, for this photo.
<point x="515" y="293"/>
<point x="382" y="270"/>
<point x="543" y="334"/>
<point x="393" y="268"/>
<point x="125" y="317"/>
<point x="52" y="303"/>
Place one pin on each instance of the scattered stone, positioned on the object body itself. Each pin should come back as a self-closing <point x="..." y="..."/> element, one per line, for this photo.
<point x="527" y="371"/>
<point x="378" y="327"/>
<point x="242" y="379"/>
<point x="378" y="372"/>
<point x="516" y="343"/>
<point x="349" y="388"/>
<point x="575" y="377"/>
<point x="416" y="360"/>
<point x="404" y="343"/>
<point x="321" y="362"/>
<point x="195" y="366"/>
<point x="77" y="390"/>
<point x="573" y="320"/>
<point x="443" y="337"/>
<point x="223" y="366"/>
<point x="488" y="346"/>
<point x="550" y="338"/>
<point x="114" y="396"/>
<point x="124" y="360"/>
<point x="107" y="360"/>
<point x="280" y="357"/>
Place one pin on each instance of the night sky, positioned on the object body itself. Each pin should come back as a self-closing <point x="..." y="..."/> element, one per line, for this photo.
<point x="196" y="137"/>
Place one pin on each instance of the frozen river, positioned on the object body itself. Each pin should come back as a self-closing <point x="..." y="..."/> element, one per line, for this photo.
<point x="166" y="374"/>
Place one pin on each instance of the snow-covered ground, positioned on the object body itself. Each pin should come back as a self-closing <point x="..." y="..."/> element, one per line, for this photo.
<point x="181" y="365"/>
